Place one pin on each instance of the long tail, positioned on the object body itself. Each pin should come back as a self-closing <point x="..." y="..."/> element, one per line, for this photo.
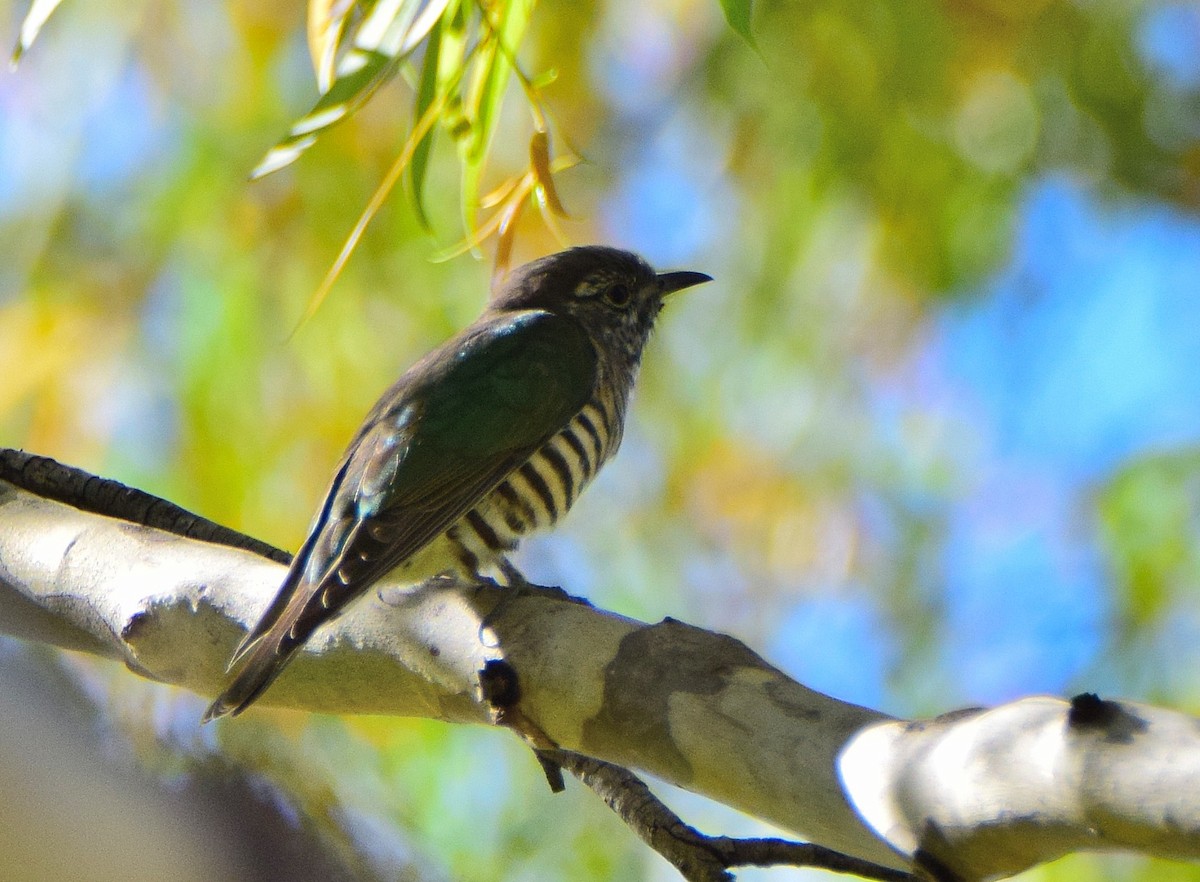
<point x="271" y="645"/>
<point x="298" y="610"/>
<point x="259" y="672"/>
<point x="312" y="592"/>
<point x="265" y="650"/>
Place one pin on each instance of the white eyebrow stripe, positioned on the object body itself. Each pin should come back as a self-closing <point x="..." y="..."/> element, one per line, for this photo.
<point x="588" y="288"/>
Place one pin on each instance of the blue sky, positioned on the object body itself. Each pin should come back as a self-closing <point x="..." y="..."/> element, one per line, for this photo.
<point x="1075" y="358"/>
<point x="1078" y="357"/>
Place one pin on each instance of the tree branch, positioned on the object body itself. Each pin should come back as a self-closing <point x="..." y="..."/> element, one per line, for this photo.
<point x="968" y="795"/>
<point x="50" y="479"/>
<point x="701" y="858"/>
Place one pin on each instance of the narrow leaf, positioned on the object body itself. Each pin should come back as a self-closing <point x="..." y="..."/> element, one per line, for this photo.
<point x="396" y="27"/>
<point x="539" y="161"/>
<point x="552" y="223"/>
<point x="347" y="93"/>
<point x="501" y="193"/>
<point x="487" y="94"/>
<point x="518" y="189"/>
<point x="392" y="30"/>
<point x="326" y="24"/>
<point x="560" y="164"/>
<point x="420" y="130"/>
<point x="513" y="191"/>
<point x="426" y="90"/>
<point x="470" y="154"/>
<point x="39" y="12"/>
<point x="544" y="79"/>
<point x="453" y="57"/>
<point x="505" y="234"/>
<point x="737" y="15"/>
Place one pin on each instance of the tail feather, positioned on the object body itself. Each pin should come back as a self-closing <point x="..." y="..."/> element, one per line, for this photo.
<point x="260" y="670"/>
<point x="278" y="608"/>
<point x="267" y="650"/>
<point x="269" y="645"/>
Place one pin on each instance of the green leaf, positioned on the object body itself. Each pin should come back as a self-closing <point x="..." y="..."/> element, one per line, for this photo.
<point x="426" y="89"/>
<point x="38" y="13"/>
<point x="389" y="33"/>
<point x="326" y="24"/>
<point x="346" y="95"/>
<point x="486" y="95"/>
<point x="421" y="128"/>
<point x="737" y="15"/>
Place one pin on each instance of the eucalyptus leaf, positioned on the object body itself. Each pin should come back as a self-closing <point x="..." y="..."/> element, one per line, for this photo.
<point x="392" y="30"/>
<point x="39" y="12"/>
<point x="426" y="90"/>
<point x="487" y="94"/>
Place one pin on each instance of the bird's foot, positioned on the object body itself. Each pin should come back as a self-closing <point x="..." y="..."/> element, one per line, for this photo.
<point x="516" y="582"/>
<point x="513" y="577"/>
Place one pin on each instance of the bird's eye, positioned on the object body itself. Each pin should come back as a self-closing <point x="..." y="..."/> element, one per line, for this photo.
<point x="618" y="295"/>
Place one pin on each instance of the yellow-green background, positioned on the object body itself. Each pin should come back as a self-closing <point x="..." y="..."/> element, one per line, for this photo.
<point x="932" y="437"/>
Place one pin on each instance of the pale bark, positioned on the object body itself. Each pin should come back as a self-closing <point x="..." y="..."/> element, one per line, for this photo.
<point x="968" y="795"/>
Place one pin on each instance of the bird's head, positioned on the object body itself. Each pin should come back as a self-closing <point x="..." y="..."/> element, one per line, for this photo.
<point x="613" y="294"/>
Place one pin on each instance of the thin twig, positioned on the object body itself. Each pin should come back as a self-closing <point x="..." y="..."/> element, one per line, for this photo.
<point x="53" y="480"/>
<point x="701" y="858"/>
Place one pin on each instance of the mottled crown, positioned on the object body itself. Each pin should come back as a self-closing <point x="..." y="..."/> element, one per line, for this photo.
<point x="552" y="280"/>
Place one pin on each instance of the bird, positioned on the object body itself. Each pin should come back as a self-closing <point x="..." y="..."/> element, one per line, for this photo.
<point x="491" y="436"/>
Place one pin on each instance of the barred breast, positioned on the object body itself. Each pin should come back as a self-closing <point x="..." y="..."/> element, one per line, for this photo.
<point x="538" y="493"/>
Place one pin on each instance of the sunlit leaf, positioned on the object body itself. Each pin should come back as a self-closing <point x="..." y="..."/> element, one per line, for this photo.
<point x="396" y="27"/>
<point x="390" y="32"/>
<point x="549" y="214"/>
<point x="420" y="130"/>
<point x="486" y="95"/>
<point x="518" y="189"/>
<point x="505" y="234"/>
<point x="326" y="23"/>
<point x="505" y="198"/>
<point x="471" y="154"/>
<point x="452" y="62"/>
<point x="549" y="218"/>
<point x="737" y="15"/>
<point x="38" y="13"/>
<point x="539" y="163"/>
<point x="347" y="94"/>
<point x="544" y="79"/>
<point x="501" y="193"/>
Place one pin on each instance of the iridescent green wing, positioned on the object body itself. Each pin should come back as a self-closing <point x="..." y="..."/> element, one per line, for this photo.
<point x="456" y="425"/>
<point x="434" y="445"/>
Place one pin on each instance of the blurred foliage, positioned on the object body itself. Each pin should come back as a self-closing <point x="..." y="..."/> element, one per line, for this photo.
<point x="807" y="466"/>
<point x="935" y="113"/>
<point x="1150" y="515"/>
<point x="468" y="59"/>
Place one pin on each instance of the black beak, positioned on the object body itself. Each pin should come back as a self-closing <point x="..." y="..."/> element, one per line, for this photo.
<point x="670" y="282"/>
